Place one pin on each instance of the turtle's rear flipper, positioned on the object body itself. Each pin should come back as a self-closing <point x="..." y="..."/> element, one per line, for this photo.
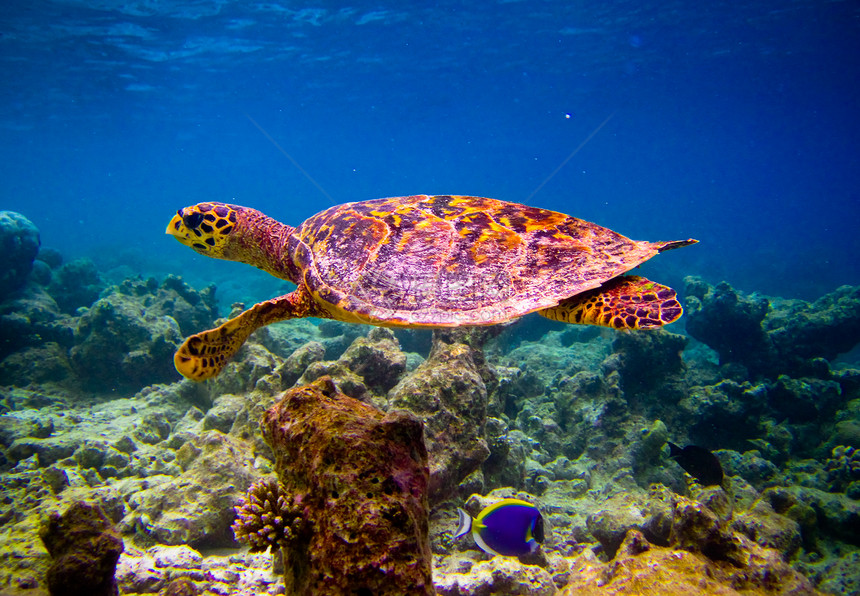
<point x="627" y="302"/>
<point x="203" y="355"/>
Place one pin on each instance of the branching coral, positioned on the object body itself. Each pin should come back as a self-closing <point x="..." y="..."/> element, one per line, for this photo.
<point x="269" y="517"/>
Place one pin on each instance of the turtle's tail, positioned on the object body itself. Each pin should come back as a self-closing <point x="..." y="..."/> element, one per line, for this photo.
<point x="661" y="246"/>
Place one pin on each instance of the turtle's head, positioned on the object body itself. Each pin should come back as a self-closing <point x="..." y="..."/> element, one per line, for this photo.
<point x="235" y="233"/>
<point x="208" y="228"/>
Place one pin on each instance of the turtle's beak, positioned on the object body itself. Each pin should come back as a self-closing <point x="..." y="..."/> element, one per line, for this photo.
<point x="173" y="228"/>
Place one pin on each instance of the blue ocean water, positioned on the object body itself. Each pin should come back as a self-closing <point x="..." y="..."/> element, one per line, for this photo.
<point x="734" y="123"/>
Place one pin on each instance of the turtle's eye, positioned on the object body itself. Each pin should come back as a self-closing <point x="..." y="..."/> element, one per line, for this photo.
<point x="192" y="220"/>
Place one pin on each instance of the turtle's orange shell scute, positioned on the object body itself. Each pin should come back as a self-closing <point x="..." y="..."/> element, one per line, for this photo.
<point x="453" y="260"/>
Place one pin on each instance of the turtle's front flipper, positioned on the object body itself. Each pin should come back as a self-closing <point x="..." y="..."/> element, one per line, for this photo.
<point x="203" y="355"/>
<point x="627" y="302"/>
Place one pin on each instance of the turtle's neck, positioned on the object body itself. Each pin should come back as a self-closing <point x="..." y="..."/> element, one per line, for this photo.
<point x="264" y="243"/>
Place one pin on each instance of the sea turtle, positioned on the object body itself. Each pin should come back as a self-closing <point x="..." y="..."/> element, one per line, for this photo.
<point x="424" y="261"/>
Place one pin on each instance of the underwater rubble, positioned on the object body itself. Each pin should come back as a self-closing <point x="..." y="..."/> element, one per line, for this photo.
<point x="576" y="420"/>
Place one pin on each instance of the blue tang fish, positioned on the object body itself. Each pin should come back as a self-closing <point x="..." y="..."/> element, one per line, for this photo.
<point x="510" y="527"/>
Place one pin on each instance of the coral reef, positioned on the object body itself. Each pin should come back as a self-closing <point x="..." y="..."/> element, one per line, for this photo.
<point x="19" y="244"/>
<point x="772" y="337"/>
<point x="449" y="394"/>
<point x="699" y="551"/>
<point x="843" y="470"/>
<point x="361" y="478"/>
<point x="76" y="284"/>
<point x="124" y="341"/>
<point x="574" y="419"/>
<point x="85" y="549"/>
<point x="128" y="337"/>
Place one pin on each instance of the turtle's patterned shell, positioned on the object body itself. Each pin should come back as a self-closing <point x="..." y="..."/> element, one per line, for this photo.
<point x="453" y="260"/>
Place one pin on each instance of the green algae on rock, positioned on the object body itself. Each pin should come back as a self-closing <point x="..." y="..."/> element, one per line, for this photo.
<point x="361" y="477"/>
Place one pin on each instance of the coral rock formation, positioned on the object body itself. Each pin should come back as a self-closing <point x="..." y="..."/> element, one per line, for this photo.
<point x="642" y="568"/>
<point x="19" y="244"/>
<point x="770" y="338"/>
<point x="85" y="549"/>
<point x="128" y="337"/>
<point x="361" y="478"/>
<point x="449" y="394"/>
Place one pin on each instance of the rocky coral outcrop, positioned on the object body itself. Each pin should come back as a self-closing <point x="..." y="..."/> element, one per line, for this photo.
<point x="85" y="548"/>
<point x="627" y="511"/>
<point x="817" y="512"/>
<point x="366" y="370"/>
<point x="123" y="342"/>
<point x="361" y="480"/>
<point x="19" y="244"/>
<point x="643" y="568"/>
<point x="298" y="361"/>
<point x="843" y="470"/>
<point x="649" y="364"/>
<point x="448" y="393"/>
<point x="127" y="339"/>
<point x="772" y="337"/>
<point x="728" y="322"/>
<point x="194" y="507"/>
<point x="76" y="284"/>
<point x="31" y="318"/>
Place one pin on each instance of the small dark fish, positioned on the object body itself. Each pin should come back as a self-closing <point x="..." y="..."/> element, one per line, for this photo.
<point x="699" y="463"/>
<point x="510" y="527"/>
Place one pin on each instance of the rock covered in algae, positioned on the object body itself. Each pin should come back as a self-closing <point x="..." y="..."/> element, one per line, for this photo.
<point x="361" y="478"/>
<point x="843" y="468"/>
<point x="643" y="568"/>
<point x="194" y="507"/>
<point x="85" y="549"/>
<point x="499" y="575"/>
<point x="448" y="393"/>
